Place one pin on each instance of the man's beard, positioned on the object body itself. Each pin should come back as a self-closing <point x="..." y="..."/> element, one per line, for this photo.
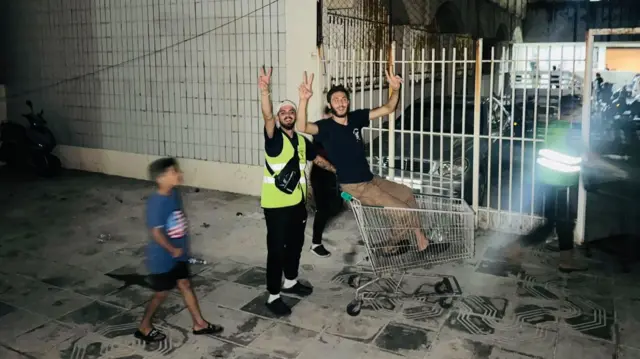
<point x="335" y="113"/>
<point x="287" y="126"/>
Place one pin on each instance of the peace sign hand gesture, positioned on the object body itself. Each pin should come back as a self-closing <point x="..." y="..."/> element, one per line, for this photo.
<point x="394" y="81"/>
<point x="264" y="79"/>
<point x="306" y="88"/>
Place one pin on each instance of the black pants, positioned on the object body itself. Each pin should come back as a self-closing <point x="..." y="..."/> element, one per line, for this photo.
<point x="285" y="238"/>
<point x="327" y="198"/>
<point x="559" y="214"/>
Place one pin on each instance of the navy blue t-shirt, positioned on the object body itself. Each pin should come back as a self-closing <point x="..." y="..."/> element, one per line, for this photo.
<point x="273" y="146"/>
<point x="345" y="148"/>
<point x="166" y="212"/>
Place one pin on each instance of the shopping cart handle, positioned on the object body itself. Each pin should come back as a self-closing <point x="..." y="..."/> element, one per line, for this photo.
<point x="347" y="197"/>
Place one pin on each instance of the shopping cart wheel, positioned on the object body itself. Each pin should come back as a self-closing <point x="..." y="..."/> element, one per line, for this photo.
<point x="445" y="303"/>
<point x="354" y="281"/>
<point x="443" y="286"/>
<point x="354" y="308"/>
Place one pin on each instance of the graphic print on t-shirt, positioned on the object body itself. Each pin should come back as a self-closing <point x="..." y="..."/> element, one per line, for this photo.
<point x="176" y="225"/>
<point x="356" y="133"/>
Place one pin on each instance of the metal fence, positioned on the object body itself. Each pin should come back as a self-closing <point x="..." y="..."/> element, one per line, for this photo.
<point x="464" y="128"/>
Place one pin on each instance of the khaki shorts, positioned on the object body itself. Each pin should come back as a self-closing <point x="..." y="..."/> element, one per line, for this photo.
<point x="381" y="192"/>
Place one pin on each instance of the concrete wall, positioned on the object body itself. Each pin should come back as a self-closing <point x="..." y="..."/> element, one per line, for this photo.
<point x="568" y="21"/>
<point x="125" y="82"/>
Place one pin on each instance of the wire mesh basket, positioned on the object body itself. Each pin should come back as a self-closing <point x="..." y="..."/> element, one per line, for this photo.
<point x="391" y="239"/>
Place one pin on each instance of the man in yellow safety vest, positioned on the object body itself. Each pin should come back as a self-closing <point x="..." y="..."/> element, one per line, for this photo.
<point x="284" y="191"/>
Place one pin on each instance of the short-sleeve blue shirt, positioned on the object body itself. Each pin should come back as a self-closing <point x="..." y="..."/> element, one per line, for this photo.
<point x="166" y="212"/>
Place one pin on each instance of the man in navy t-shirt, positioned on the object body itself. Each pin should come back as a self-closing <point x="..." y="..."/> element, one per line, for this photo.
<point x="341" y="136"/>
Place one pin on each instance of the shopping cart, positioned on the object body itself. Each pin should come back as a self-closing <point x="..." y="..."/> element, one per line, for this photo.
<point x="391" y="245"/>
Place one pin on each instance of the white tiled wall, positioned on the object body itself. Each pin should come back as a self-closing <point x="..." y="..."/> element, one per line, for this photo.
<point x="157" y="77"/>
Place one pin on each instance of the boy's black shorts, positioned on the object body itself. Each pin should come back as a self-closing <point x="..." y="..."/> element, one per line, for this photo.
<point x="161" y="282"/>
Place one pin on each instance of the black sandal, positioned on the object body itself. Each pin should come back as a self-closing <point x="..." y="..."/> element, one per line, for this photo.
<point x="154" y="336"/>
<point x="209" y="330"/>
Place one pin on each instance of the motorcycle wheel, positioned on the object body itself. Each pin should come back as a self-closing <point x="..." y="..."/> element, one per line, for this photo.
<point x="54" y="165"/>
<point x="45" y="164"/>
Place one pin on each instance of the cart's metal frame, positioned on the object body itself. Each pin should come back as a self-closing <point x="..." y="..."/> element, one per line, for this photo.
<point x="447" y="287"/>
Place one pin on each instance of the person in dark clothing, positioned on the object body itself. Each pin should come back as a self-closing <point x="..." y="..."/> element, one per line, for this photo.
<point x="285" y="212"/>
<point x="341" y="135"/>
<point x="326" y="193"/>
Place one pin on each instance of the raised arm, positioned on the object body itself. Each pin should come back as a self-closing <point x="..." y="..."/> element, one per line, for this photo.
<point x="394" y="85"/>
<point x="264" y="83"/>
<point x="305" y="91"/>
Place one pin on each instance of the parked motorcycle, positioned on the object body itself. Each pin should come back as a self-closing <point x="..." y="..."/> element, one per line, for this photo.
<point x="29" y="148"/>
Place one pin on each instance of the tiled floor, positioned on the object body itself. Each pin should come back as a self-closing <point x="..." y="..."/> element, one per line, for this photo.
<point x="57" y="301"/>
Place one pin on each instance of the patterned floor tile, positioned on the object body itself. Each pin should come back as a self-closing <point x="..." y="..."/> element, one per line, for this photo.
<point x="428" y="313"/>
<point x="14" y="321"/>
<point x="362" y="328"/>
<point x="482" y="305"/>
<point x="96" y="286"/>
<point x="91" y="315"/>
<point x="258" y="306"/>
<point x="128" y="297"/>
<point x="205" y="347"/>
<point x="284" y="340"/>
<point x="405" y="340"/>
<point x="588" y="285"/>
<point x="10" y="353"/>
<point x="122" y="335"/>
<point x="581" y="347"/>
<point x="91" y="346"/>
<point x="458" y="348"/>
<point x="232" y="295"/>
<point x="587" y="316"/>
<point x="479" y="283"/>
<point x="313" y="316"/>
<point x="447" y="347"/>
<point x="25" y="292"/>
<point x="58" y="304"/>
<point x="628" y="352"/>
<point x="255" y="277"/>
<point x="239" y="327"/>
<point x="38" y="341"/>
<point x="331" y="346"/>
<point x="225" y="270"/>
<point x="204" y="286"/>
<point x="499" y="269"/>
<point x="508" y="335"/>
<point x="534" y="312"/>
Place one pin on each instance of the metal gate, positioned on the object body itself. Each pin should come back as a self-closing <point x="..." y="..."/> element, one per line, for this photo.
<point x="468" y="123"/>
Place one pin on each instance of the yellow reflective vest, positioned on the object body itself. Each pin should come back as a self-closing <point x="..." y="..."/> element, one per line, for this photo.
<point x="559" y="160"/>
<point x="271" y="196"/>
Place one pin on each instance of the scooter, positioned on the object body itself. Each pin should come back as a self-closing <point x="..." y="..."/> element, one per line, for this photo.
<point x="29" y="148"/>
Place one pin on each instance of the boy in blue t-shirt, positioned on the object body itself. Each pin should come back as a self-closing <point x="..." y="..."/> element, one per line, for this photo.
<point x="167" y="252"/>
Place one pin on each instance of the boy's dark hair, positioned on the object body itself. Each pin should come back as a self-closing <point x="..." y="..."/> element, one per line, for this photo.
<point x="327" y="110"/>
<point x="335" y="89"/>
<point x="158" y="167"/>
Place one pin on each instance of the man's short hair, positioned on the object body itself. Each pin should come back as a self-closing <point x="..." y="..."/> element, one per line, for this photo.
<point x="158" y="167"/>
<point x="336" y="89"/>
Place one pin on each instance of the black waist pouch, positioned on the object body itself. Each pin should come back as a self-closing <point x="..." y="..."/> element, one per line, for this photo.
<point x="288" y="179"/>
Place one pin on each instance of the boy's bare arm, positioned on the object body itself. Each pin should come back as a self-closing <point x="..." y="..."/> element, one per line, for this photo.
<point x="162" y="240"/>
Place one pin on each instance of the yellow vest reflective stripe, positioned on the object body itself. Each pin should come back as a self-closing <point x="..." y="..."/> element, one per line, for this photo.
<point x="271" y="196"/>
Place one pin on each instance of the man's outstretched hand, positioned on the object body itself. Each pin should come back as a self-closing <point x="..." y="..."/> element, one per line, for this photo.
<point x="264" y="79"/>
<point x="305" y="89"/>
<point x="394" y="81"/>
